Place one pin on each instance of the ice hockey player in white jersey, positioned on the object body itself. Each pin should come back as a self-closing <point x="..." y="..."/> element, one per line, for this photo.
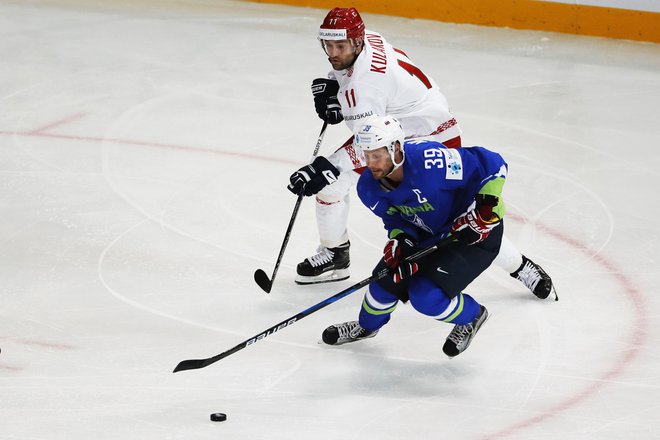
<point x="370" y="77"/>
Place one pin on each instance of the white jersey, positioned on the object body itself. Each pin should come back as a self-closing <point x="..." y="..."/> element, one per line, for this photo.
<point x="384" y="81"/>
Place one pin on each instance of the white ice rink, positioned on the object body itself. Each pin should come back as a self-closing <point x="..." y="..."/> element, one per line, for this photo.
<point x="144" y="152"/>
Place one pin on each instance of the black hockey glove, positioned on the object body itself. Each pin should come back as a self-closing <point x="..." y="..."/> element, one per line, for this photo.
<point x="325" y="100"/>
<point x="312" y="178"/>
<point x="395" y="252"/>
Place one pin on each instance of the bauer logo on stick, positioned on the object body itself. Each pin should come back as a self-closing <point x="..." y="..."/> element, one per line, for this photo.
<point x="270" y="331"/>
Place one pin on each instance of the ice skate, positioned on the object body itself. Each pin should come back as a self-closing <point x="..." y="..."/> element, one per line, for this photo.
<point x="329" y="264"/>
<point x="461" y="335"/>
<point x="346" y="332"/>
<point x="534" y="278"/>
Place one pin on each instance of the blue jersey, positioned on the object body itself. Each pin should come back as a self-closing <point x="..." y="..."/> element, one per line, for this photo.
<point x="439" y="184"/>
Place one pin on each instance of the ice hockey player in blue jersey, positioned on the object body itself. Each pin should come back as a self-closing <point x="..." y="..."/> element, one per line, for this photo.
<point x="423" y="192"/>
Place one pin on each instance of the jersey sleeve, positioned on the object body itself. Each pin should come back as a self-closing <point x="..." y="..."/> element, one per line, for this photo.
<point x="492" y="190"/>
<point x="485" y="169"/>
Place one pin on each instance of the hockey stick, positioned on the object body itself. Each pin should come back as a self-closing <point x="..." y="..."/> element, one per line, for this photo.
<point x="193" y="364"/>
<point x="259" y="275"/>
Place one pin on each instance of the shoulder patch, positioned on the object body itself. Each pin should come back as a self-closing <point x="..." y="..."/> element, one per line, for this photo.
<point x="454" y="162"/>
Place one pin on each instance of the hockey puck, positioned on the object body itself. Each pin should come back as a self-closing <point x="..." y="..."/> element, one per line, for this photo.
<point x="218" y="417"/>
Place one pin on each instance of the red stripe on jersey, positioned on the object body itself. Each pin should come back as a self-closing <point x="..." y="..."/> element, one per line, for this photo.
<point x="352" y="154"/>
<point x="401" y="52"/>
<point x="453" y="142"/>
<point x="444" y="126"/>
<point x="323" y="202"/>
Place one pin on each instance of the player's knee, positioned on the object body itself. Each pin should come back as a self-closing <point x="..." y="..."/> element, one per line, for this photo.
<point x="430" y="305"/>
<point x="428" y="299"/>
<point x="379" y="299"/>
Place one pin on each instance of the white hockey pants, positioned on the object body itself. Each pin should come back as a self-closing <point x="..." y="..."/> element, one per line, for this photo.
<point x="332" y="206"/>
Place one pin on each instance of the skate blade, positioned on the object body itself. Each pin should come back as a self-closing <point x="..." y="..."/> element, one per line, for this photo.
<point x="328" y="277"/>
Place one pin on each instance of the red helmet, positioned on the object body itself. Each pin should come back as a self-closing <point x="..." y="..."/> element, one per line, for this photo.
<point x="342" y="24"/>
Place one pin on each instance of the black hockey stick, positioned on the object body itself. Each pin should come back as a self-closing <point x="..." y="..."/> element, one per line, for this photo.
<point x="259" y="275"/>
<point x="193" y="364"/>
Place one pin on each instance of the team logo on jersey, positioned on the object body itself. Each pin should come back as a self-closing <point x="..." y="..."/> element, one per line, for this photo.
<point x="410" y="211"/>
<point x="417" y="221"/>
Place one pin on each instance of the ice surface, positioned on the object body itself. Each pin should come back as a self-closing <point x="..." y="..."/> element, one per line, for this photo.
<point x="144" y="152"/>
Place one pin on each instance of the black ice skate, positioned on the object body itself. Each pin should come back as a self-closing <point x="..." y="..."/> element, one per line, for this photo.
<point x="461" y="335"/>
<point x="346" y="332"/>
<point x="534" y="278"/>
<point x="329" y="264"/>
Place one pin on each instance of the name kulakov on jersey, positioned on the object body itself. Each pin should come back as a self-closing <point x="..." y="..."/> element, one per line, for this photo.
<point x="378" y="56"/>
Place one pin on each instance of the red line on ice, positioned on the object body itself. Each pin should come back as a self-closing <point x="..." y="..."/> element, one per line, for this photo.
<point x="639" y="330"/>
<point x="639" y="334"/>
<point x="43" y="132"/>
<point x="55" y="124"/>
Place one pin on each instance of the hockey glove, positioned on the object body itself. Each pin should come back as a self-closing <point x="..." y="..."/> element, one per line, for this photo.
<point x="312" y="178"/>
<point x="404" y="270"/>
<point x="477" y="223"/>
<point x="394" y="254"/>
<point x="325" y="100"/>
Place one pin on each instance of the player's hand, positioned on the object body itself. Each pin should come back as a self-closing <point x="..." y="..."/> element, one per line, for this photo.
<point x="312" y="178"/>
<point x="397" y="249"/>
<point x="394" y="254"/>
<point x="325" y="100"/>
<point x="475" y="228"/>
<point x="404" y="270"/>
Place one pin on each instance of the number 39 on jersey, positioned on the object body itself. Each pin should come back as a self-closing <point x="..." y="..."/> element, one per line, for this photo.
<point x="447" y="158"/>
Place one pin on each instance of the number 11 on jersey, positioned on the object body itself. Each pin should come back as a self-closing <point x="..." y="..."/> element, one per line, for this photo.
<point x="350" y="97"/>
